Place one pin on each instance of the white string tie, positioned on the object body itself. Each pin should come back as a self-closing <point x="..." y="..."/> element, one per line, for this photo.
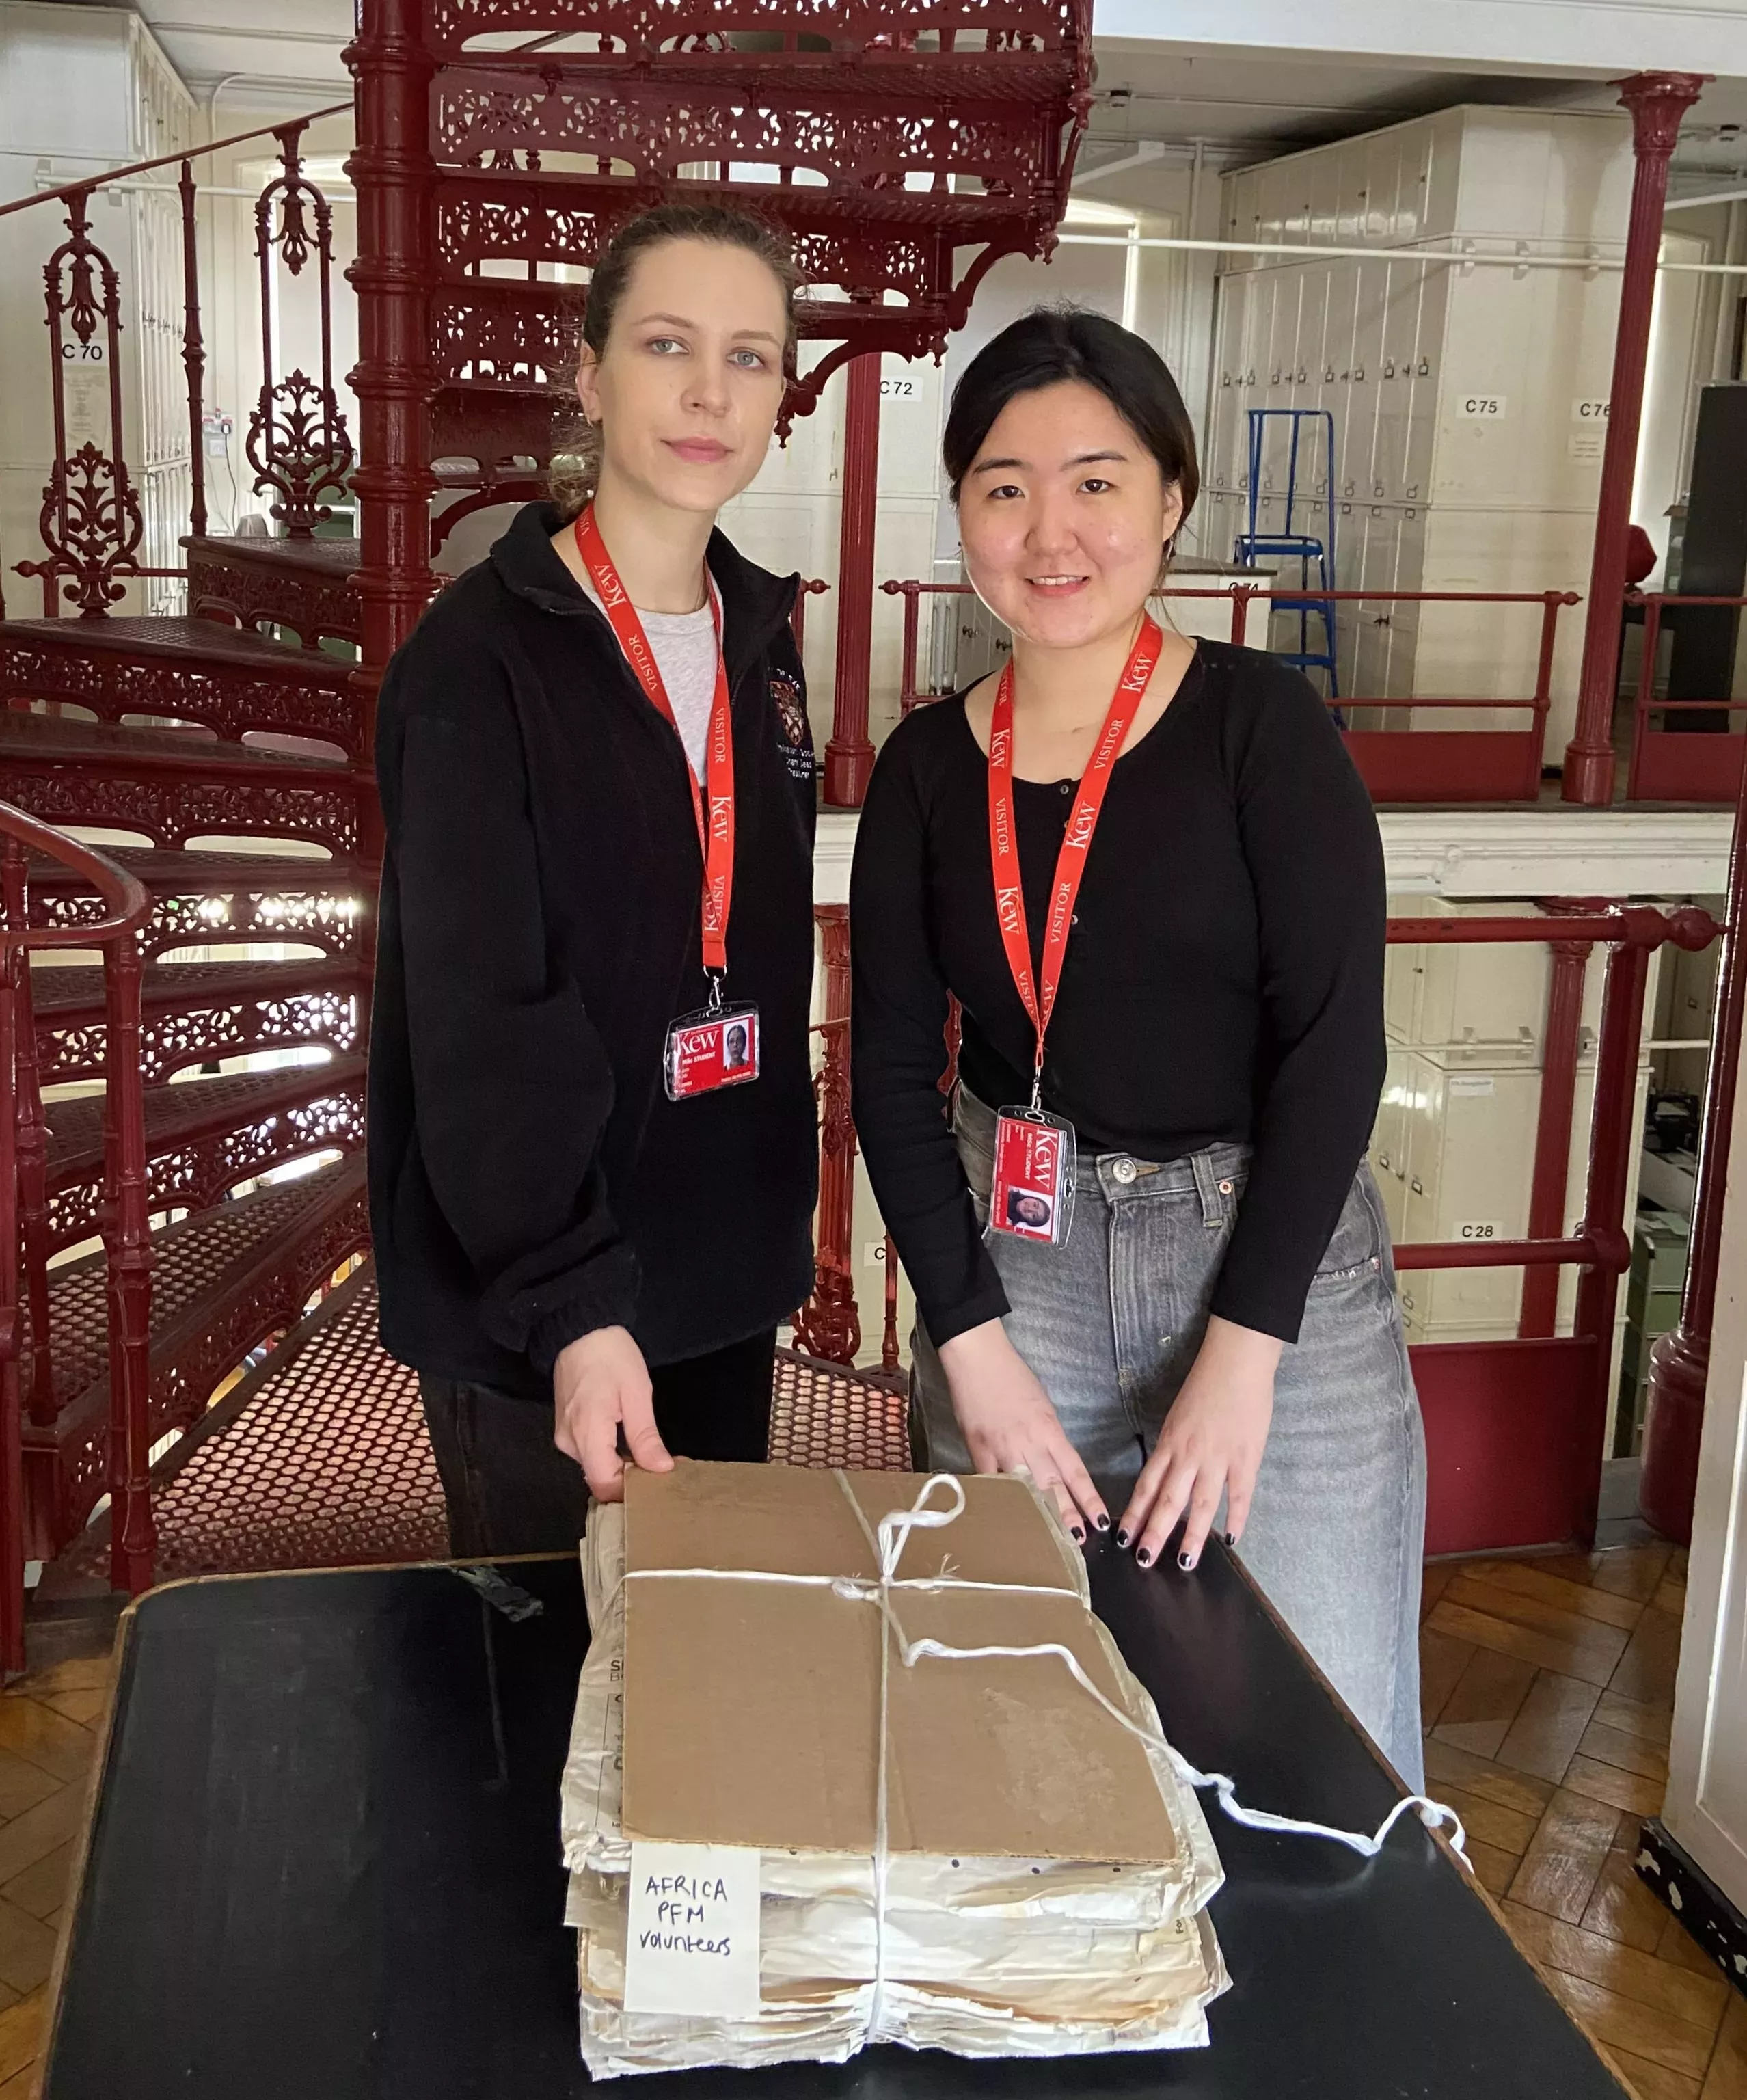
<point x="889" y="1539"/>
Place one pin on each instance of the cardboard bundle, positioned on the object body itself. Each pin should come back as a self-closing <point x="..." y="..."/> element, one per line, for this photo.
<point x="961" y="1851"/>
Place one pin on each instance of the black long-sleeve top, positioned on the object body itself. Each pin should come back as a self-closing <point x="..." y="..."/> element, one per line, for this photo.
<point x="1223" y="980"/>
<point x="530" y="1181"/>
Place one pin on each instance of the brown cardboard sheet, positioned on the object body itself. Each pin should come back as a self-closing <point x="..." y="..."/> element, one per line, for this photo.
<point x="752" y="1709"/>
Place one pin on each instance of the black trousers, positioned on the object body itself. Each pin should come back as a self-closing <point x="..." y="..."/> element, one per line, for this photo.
<point x="509" y="1489"/>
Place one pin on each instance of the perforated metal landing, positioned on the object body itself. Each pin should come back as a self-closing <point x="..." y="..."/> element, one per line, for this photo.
<point x="822" y="1414"/>
<point x="319" y="1457"/>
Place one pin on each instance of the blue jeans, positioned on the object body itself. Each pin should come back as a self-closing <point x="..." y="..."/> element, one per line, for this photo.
<point x="1111" y="1323"/>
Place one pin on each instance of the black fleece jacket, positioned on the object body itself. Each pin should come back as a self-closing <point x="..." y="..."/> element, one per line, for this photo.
<point x="530" y="1181"/>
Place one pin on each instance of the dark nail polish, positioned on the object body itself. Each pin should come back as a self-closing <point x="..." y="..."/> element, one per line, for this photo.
<point x="1104" y="1522"/>
<point x="1144" y="1558"/>
<point x="1122" y="1538"/>
<point x="1078" y="1536"/>
<point x="1186" y="1562"/>
<point x="1230" y="1537"/>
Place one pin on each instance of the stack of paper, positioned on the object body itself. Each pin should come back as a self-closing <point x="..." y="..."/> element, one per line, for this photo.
<point x="761" y="1872"/>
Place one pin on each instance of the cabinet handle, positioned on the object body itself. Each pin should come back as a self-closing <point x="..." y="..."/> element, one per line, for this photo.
<point x="1417" y="1185"/>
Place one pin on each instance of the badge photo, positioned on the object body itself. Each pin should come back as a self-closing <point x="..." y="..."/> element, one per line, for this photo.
<point x="1032" y="1196"/>
<point x="707" y="1051"/>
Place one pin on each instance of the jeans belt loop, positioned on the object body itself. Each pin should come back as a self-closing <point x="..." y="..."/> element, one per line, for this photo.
<point x="1206" y="1186"/>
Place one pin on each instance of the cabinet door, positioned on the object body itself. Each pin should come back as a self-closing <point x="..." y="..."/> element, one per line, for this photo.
<point x="1388" y="1150"/>
<point x="1382" y="175"/>
<point x="1489" y="996"/>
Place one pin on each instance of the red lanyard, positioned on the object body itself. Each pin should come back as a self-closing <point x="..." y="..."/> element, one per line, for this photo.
<point x="1076" y="843"/>
<point x="716" y="834"/>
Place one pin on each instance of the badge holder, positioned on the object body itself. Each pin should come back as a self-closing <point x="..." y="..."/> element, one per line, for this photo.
<point x="715" y="1048"/>
<point x="1032" y="1193"/>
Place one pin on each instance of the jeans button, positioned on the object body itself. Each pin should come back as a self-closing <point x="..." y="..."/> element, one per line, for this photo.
<point x="1125" y="1170"/>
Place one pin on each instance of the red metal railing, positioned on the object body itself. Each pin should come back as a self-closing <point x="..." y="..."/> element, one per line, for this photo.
<point x="126" y="1231"/>
<point x="92" y="524"/>
<point x="829" y="1325"/>
<point x="810" y="587"/>
<point x="1514" y="1427"/>
<point x="1692" y="762"/>
<point x="1417" y="766"/>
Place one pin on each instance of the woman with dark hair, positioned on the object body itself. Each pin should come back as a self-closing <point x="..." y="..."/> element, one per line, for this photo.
<point x="595" y="954"/>
<point x="1146" y="1253"/>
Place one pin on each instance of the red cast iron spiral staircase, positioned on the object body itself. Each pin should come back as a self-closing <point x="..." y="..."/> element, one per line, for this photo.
<point x="191" y="1331"/>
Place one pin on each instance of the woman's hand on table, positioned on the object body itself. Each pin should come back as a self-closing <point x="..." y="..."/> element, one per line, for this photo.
<point x="1008" y="1423"/>
<point x="1211" y="1444"/>
<point x="599" y="1383"/>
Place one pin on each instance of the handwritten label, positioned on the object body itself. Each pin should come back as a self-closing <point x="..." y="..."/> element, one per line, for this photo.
<point x="1583" y="445"/>
<point x="1470" y="1085"/>
<point x="691" y="1943"/>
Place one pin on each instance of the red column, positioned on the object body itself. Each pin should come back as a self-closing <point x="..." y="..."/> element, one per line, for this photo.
<point x="829" y="1324"/>
<point x="850" y="754"/>
<point x="1558" y="1088"/>
<point x="1614" y="1133"/>
<point x="127" y="1235"/>
<point x="1657" y="101"/>
<point x="394" y="175"/>
<point x="1674" y="1406"/>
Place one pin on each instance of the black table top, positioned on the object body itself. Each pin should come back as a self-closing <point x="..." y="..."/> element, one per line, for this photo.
<point x="324" y="1865"/>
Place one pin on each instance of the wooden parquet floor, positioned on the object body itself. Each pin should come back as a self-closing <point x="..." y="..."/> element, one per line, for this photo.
<point x="1548" y="1691"/>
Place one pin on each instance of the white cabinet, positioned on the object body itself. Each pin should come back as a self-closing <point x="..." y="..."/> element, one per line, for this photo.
<point x="1455" y="1143"/>
<point x="1450" y="388"/>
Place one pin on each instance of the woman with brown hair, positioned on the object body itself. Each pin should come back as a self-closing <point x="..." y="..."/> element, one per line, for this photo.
<point x="595" y="953"/>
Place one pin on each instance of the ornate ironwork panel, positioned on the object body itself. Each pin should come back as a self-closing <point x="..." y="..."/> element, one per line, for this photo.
<point x="301" y="700"/>
<point x="297" y="442"/>
<point x="192" y="1175"/>
<point x="208" y="1028"/>
<point x="316" y="606"/>
<point x="654" y="126"/>
<point x="91" y="521"/>
<point x="170" y="809"/>
<point x="329" y="919"/>
<point x="646" y="28"/>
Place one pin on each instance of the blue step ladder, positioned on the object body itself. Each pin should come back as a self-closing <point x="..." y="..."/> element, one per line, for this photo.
<point x="1311" y="550"/>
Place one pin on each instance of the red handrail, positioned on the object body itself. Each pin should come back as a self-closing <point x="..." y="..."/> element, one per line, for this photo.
<point x="1241" y="595"/>
<point x="164" y="159"/>
<point x="126" y="1232"/>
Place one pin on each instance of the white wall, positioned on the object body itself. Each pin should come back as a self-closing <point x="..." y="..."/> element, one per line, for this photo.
<point x="1705" y="1807"/>
<point x="1485" y="36"/>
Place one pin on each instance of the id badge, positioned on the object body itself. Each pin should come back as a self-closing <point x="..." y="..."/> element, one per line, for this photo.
<point x="1033" y="1193"/>
<point x="709" y="1050"/>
